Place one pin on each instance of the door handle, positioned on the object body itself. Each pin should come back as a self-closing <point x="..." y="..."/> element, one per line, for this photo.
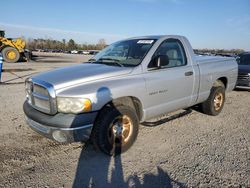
<point x="190" y="73"/>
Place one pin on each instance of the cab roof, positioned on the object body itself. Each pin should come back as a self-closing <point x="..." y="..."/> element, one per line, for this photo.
<point x="156" y="37"/>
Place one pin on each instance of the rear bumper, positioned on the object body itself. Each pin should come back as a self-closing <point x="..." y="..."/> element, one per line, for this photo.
<point x="60" y="127"/>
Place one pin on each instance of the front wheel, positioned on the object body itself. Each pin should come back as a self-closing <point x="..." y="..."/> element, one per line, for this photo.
<point x="10" y="54"/>
<point x="116" y="129"/>
<point x="215" y="102"/>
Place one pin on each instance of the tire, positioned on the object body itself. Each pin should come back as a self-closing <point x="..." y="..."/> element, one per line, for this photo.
<point x="107" y="134"/>
<point x="10" y="54"/>
<point x="215" y="102"/>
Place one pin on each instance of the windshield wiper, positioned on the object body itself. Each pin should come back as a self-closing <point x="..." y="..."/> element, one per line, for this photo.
<point x="101" y="61"/>
<point x="109" y="59"/>
<point x="116" y="61"/>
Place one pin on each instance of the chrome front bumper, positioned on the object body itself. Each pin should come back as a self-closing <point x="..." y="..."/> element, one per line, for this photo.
<point x="243" y="87"/>
<point x="65" y="135"/>
<point x="60" y="127"/>
<point x="243" y="84"/>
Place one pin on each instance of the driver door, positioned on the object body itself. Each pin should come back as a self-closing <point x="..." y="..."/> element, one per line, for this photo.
<point x="169" y="87"/>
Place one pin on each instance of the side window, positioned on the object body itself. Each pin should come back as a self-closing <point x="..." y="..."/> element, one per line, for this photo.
<point x="175" y="52"/>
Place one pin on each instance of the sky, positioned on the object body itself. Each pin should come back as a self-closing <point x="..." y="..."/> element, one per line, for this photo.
<point x="206" y="23"/>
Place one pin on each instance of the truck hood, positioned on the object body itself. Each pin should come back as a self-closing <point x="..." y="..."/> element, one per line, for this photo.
<point x="77" y="74"/>
<point x="244" y="68"/>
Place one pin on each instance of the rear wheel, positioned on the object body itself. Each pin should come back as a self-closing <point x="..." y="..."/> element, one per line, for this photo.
<point x="10" y="54"/>
<point x="115" y="130"/>
<point x="215" y="102"/>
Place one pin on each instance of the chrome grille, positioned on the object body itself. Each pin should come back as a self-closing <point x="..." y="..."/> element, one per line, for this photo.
<point x="243" y="76"/>
<point x="41" y="102"/>
<point x="41" y="96"/>
<point x="40" y="90"/>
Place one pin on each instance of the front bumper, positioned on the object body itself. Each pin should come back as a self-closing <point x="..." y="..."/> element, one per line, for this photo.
<point x="243" y="84"/>
<point x="60" y="127"/>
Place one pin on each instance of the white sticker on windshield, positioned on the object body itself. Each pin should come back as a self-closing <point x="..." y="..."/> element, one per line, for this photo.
<point x="145" y="41"/>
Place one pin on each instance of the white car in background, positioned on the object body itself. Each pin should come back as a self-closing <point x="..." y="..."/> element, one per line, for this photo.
<point x="85" y="52"/>
<point x="74" y="52"/>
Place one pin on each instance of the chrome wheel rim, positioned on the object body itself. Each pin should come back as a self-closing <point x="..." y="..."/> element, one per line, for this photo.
<point x="218" y="101"/>
<point x="120" y="130"/>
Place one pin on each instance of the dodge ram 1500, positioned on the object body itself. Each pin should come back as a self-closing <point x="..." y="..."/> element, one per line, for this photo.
<point x="128" y="82"/>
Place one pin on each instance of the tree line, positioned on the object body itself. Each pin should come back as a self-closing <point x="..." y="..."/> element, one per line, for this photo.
<point x="219" y="51"/>
<point x="51" y="44"/>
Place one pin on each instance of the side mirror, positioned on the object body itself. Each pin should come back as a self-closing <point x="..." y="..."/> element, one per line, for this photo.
<point x="158" y="61"/>
<point x="161" y="60"/>
<point x="238" y="59"/>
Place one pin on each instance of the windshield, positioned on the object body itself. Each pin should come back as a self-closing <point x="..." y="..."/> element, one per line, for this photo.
<point x="244" y="60"/>
<point x="124" y="53"/>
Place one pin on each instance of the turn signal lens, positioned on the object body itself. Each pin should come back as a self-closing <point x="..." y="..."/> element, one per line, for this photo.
<point x="73" y="105"/>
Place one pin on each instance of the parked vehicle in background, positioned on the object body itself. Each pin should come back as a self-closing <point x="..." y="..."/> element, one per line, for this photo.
<point x="243" y="80"/>
<point x="13" y="50"/>
<point x="66" y="52"/>
<point x="84" y="52"/>
<point x="74" y="52"/>
<point x="128" y="82"/>
<point x="93" y="52"/>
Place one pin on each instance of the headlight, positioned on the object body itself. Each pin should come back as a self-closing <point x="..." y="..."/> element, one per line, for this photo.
<point x="73" y="105"/>
<point x="28" y="86"/>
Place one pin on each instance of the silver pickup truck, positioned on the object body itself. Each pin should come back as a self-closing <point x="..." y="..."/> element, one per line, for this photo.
<point x="128" y="82"/>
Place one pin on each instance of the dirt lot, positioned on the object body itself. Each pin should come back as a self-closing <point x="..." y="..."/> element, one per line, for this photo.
<point x="194" y="150"/>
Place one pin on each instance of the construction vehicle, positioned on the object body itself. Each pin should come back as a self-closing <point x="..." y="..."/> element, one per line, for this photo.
<point x="12" y="50"/>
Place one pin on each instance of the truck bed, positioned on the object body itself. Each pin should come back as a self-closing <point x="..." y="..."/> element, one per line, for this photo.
<point x="211" y="68"/>
<point x="205" y="59"/>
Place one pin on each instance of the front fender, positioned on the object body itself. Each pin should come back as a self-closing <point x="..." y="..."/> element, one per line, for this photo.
<point x="102" y="92"/>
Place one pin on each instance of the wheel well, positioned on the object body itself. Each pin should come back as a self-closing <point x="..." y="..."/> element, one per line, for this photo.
<point x="3" y="46"/>
<point x="132" y="102"/>
<point x="223" y="80"/>
<point x="6" y="46"/>
<point x="138" y="107"/>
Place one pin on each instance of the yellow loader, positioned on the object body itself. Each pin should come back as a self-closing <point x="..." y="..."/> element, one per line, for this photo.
<point x="12" y="50"/>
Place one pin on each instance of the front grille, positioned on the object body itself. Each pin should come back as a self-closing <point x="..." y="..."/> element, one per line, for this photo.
<point x="41" y="103"/>
<point x="243" y="76"/>
<point x="40" y="90"/>
<point x="41" y="96"/>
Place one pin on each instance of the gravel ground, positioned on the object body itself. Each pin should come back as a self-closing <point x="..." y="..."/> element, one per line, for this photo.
<point x="194" y="150"/>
